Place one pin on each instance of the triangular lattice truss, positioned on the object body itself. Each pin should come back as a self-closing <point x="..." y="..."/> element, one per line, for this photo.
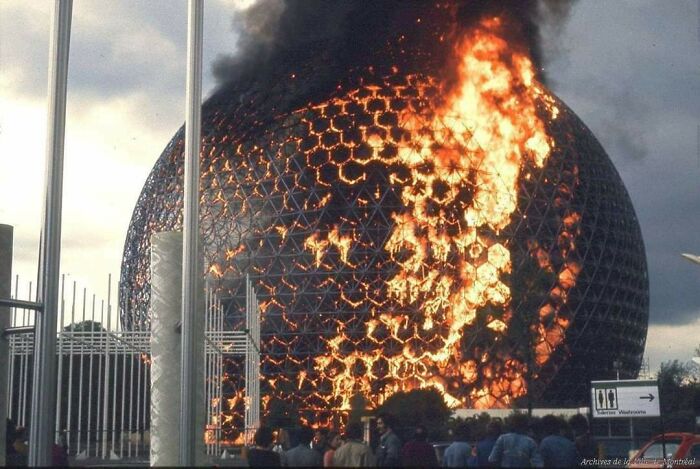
<point x="314" y="204"/>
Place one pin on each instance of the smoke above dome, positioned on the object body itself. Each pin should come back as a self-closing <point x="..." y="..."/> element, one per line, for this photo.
<point x="427" y="214"/>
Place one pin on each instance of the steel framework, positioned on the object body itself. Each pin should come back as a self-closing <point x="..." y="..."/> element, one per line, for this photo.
<point x="305" y="200"/>
<point x="102" y="402"/>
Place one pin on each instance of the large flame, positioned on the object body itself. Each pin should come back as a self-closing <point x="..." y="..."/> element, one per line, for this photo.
<point x="464" y="161"/>
<point x="455" y="152"/>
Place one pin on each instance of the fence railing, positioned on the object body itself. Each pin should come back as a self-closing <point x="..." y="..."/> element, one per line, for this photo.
<point x="103" y="392"/>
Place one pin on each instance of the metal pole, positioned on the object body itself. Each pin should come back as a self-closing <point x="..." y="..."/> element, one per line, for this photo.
<point x="138" y="404"/>
<point x="13" y="345"/>
<point x="116" y="366"/>
<point x="190" y="255"/>
<point x="90" y="383"/>
<point x="80" y="380"/>
<point x="44" y="373"/>
<point x="6" y="237"/>
<point x="131" y="399"/>
<point x="59" y="391"/>
<point x="100" y="366"/>
<point x="71" y="353"/>
<point x="105" y="394"/>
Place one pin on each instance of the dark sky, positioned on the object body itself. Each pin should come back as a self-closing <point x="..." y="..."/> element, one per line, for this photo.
<point x="631" y="71"/>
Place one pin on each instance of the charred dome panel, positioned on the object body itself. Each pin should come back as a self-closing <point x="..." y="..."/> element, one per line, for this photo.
<point x="403" y="233"/>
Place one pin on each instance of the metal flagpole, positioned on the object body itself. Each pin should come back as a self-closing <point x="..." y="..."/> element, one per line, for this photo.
<point x="44" y="373"/>
<point x="190" y="254"/>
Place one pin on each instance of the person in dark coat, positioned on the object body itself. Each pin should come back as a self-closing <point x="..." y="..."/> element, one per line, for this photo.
<point x="302" y="455"/>
<point x="556" y="450"/>
<point x="586" y="446"/>
<point x="485" y="445"/>
<point x="458" y="454"/>
<point x="389" y="450"/>
<point x="262" y="455"/>
<point x="418" y="452"/>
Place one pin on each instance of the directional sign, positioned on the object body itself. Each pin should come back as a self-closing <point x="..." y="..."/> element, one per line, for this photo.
<point x="624" y="399"/>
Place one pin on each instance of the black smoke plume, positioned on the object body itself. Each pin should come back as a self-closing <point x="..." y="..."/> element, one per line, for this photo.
<point x="276" y="36"/>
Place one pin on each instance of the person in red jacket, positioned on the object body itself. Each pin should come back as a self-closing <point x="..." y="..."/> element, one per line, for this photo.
<point x="418" y="452"/>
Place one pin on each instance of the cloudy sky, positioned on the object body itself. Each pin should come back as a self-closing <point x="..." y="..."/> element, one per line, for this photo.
<point x="629" y="69"/>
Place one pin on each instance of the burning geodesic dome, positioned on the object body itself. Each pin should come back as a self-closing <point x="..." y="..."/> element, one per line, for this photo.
<point x="423" y="213"/>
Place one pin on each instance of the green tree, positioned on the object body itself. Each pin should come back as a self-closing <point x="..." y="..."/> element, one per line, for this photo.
<point x="84" y="326"/>
<point x="418" y="407"/>
<point x="678" y="389"/>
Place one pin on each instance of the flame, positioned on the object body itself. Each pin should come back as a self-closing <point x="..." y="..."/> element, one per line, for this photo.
<point x="484" y="133"/>
<point x="455" y="155"/>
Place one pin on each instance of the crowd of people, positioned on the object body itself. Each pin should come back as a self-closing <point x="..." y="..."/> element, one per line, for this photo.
<point x="17" y="447"/>
<point x="518" y="442"/>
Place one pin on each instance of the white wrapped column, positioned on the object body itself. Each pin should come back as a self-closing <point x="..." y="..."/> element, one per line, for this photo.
<point x="165" y="313"/>
<point x="5" y="279"/>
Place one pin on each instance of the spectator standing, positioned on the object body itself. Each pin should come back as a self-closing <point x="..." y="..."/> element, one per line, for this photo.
<point x="556" y="450"/>
<point x="515" y="448"/>
<point x="585" y="443"/>
<point x="353" y="452"/>
<point x="262" y="455"/>
<point x="459" y="452"/>
<point x="320" y="440"/>
<point x="418" y="452"/>
<point x="389" y="450"/>
<point x="334" y="441"/>
<point x="486" y="444"/>
<point x="281" y="441"/>
<point x="302" y="455"/>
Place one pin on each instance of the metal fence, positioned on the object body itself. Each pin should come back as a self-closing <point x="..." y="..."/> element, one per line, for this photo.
<point x="103" y="393"/>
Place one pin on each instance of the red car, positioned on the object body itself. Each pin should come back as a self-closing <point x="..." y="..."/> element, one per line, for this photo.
<point x="682" y="450"/>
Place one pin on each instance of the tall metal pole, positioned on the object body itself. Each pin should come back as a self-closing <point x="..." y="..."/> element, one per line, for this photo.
<point x="44" y="374"/>
<point x="6" y="238"/>
<point x="190" y="254"/>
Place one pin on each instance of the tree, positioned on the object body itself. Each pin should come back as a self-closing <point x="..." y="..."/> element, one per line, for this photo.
<point x="678" y="389"/>
<point x="84" y="326"/>
<point x="418" y="407"/>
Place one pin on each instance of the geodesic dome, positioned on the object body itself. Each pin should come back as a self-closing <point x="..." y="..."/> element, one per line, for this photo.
<point x="395" y="246"/>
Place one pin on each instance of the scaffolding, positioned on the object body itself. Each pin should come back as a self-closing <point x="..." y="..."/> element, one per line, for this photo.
<point x="103" y="395"/>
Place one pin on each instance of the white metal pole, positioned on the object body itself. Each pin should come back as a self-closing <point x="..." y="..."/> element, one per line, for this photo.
<point x="6" y="243"/>
<point x="116" y="366"/>
<point x="71" y="356"/>
<point x="80" y="379"/>
<point x="44" y="373"/>
<point x="59" y="391"/>
<point x="208" y="363"/>
<point x="131" y="399"/>
<point x="104" y="376"/>
<point x="105" y="394"/>
<point x="90" y="383"/>
<point x="138" y="404"/>
<point x="13" y="346"/>
<point x="121" y="426"/>
<point x="145" y="402"/>
<point x="190" y="254"/>
<point x="100" y="388"/>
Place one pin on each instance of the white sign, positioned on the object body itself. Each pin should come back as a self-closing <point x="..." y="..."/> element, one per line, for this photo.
<point x="625" y="399"/>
